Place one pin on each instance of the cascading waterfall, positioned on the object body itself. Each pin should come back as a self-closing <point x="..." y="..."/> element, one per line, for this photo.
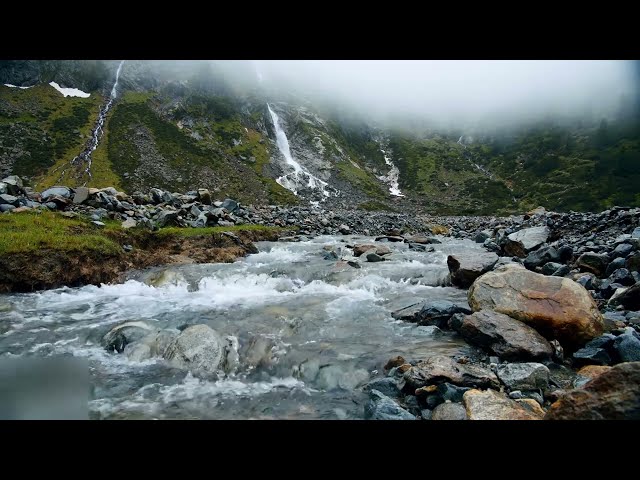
<point x="479" y="167"/>
<point x="85" y="156"/>
<point x="392" y="178"/>
<point x="299" y="178"/>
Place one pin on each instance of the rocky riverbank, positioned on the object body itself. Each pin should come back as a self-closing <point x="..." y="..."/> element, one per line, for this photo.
<point x="552" y="313"/>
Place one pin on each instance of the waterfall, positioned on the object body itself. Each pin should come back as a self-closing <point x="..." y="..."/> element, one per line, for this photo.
<point x="85" y="155"/>
<point x="391" y="178"/>
<point x="299" y="178"/>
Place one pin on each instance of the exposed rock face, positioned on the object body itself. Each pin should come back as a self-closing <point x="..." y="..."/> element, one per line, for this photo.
<point x="502" y="335"/>
<point x="520" y="243"/>
<point x="612" y="395"/>
<point x="440" y="369"/>
<point x="556" y="307"/>
<point x="465" y="268"/>
<point x="492" y="405"/>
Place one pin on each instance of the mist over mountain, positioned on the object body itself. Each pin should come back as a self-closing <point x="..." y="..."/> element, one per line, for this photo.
<point x="450" y="136"/>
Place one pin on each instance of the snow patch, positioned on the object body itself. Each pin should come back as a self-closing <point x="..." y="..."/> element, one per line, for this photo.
<point x="70" y="92"/>
<point x="16" y="86"/>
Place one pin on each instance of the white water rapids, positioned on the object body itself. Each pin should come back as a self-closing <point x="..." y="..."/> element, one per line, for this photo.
<point x="312" y="330"/>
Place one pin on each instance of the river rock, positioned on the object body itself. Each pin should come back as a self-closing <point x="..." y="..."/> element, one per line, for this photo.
<point x="381" y="407"/>
<point x="466" y="267"/>
<point x="508" y="338"/>
<point x="374" y="257"/>
<point x="361" y="248"/>
<point x="6" y="207"/>
<point x="556" y="307"/>
<point x="627" y="346"/>
<point x="198" y="348"/>
<point x="612" y="395"/>
<point x="449" y="411"/>
<point x="595" y="263"/>
<point x="550" y="268"/>
<point x="119" y="336"/>
<point x="421" y="239"/>
<point x="439" y="369"/>
<point x="387" y="386"/>
<point x="622" y="276"/>
<point x="622" y="250"/>
<point x="389" y="238"/>
<point x="137" y="352"/>
<point x="541" y="257"/>
<point x="590" y="355"/>
<point x="492" y="405"/>
<point x="520" y="243"/>
<point x="524" y="376"/>
<point x="438" y="313"/>
<point x="632" y="262"/>
<point x="629" y="298"/>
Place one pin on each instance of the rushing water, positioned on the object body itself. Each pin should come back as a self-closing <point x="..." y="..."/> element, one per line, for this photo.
<point x="312" y="330"/>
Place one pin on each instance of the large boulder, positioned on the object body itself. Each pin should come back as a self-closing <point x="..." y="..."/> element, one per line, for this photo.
<point x="612" y="395"/>
<point x="166" y="218"/>
<point x="466" y="267"/>
<point x="557" y="307"/>
<point x="440" y="369"/>
<point x="524" y="376"/>
<point x="520" y="243"/>
<point x="509" y="339"/>
<point x="492" y="405"/>
<point x="198" y="348"/>
<point x="7" y="199"/>
<point x="13" y="185"/>
<point x="81" y="195"/>
<point x="381" y="407"/>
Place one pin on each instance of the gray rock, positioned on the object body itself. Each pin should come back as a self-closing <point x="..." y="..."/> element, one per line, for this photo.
<point x="520" y="243"/>
<point x="374" y="257"/>
<point x="591" y="356"/>
<point x="121" y="335"/>
<point x="508" y="338"/>
<point x="482" y="236"/>
<point x="541" y="256"/>
<point x="593" y="262"/>
<point x="6" y="208"/>
<point x="387" y="386"/>
<point x="466" y="267"/>
<point x="230" y="205"/>
<point x="449" y="411"/>
<point x="550" y="268"/>
<point x="438" y="313"/>
<point x="634" y="234"/>
<point x="8" y="200"/>
<point x="129" y="223"/>
<point x="622" y="250"/>
<point x="137" y="352"/>
<point x="452" y="393"/>
<point x="408" y="313"/>
<point x="524" y="376"/>
<point x="98" y="224"/>
<point x="63" y="192"/>
<point x="198" y="349"/>
<point x="344" y="229"/>
<point x="629" y="298"/>
<point x="166" y="218"/>
<point x="3" y="188"/>
<point x="440" y="369"/>
<point x="426" y="414"/>
<point x="627" y="346"/>
<point x="13" y="185"/>
<point x="81" y="195"/>
<point x="381" y="407"/>
<point x="622" y="276"/>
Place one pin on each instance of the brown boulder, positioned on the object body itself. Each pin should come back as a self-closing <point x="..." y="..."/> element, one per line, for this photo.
<point x="612" y="395"/>
<point x="509" y="339"/>
<point x="440" y="369"/>
<point x="492" y="405"/>
<point x="557" y="307"/>
<point x="359" y="249"/>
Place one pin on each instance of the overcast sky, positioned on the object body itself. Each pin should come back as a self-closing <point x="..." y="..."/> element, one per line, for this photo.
<point x="460" y="90"/>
